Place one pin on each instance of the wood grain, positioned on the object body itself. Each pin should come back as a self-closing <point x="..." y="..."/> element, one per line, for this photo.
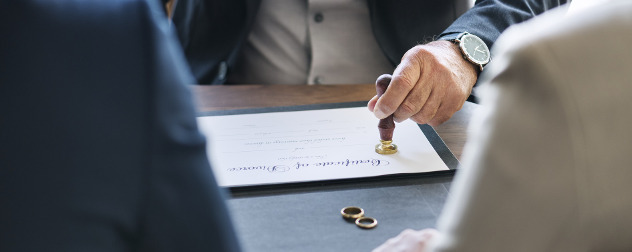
<point x="227" y="97"/>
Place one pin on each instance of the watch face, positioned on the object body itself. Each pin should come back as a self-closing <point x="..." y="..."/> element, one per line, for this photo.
<point x="475" y="49"/>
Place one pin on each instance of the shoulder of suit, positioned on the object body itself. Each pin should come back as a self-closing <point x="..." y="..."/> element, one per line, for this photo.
<point x="559" y="25"/>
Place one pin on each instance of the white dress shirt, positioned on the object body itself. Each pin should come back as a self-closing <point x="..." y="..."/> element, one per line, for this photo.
<point x="311" y="42"/>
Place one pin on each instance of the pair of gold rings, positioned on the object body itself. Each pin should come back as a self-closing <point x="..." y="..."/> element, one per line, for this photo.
<point x="352" y="212"/>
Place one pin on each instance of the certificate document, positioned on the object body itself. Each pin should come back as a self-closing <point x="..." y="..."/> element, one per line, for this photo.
<point x="311" y="145"/>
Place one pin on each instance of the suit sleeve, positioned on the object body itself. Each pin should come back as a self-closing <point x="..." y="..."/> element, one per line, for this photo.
<point x="489" y="18"/>
<point x="211" y="32"/>
<point x="516" y="188"/>
<point x="184" y="210"/>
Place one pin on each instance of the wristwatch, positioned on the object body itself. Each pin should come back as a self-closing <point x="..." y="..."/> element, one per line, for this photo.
<point x="473" y="49"/>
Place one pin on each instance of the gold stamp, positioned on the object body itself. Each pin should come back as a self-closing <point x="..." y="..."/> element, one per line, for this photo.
<point x="386" y="147"/>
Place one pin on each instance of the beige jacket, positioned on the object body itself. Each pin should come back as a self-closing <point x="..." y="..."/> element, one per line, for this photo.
<point x="548" y="165"/>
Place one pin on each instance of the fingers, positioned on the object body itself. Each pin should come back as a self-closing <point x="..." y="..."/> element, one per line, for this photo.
<point x="429" y="109"/>
<point x="411" y="85"/>
<point x="439" y="108"/>
<point x="422" y="103"/>
<point x="450" y="103"/>
<point x="444" y="113"/>
<point x="405" y="241"/>
<point x="429" y="234"/>
<point x="371" y="104"/>
<point x="403" y="81"/>
<point x="409" y="240"/>
<point x="417" y="99"/>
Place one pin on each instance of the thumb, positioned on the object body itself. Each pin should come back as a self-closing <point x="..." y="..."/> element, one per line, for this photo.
<point x="371" y="104"/>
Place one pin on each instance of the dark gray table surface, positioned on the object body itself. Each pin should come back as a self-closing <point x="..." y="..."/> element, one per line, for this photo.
<point x="308" y="218"/>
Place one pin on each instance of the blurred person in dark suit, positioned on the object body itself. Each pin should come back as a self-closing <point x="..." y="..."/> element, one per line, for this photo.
<point x="350" y="41"/>
<point x="99" y="147"/>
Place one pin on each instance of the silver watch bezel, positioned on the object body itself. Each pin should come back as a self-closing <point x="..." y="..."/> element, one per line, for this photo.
<point x="460" y="42"/>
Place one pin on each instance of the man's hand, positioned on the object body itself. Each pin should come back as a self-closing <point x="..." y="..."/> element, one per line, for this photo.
<point x="430" y="84"/>
<point x="409" y="240"/>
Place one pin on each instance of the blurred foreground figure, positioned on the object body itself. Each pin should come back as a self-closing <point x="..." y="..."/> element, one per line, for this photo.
<point x="99" y="148"/>
<point x="547" y="163"/>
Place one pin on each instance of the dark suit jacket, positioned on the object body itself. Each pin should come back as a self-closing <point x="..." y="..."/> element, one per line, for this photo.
<point x="99" y="148"/>
<point x="213" y="31"/>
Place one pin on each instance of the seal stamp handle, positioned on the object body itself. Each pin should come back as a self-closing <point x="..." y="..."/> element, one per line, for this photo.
<point x="386" y="126"/>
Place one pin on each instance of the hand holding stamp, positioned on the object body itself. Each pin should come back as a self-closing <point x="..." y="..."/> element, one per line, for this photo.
<point x="386" y="125"/>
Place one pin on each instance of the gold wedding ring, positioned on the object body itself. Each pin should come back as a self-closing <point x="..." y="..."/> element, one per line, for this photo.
<point x="352" y="212"/>
<point x="366" y="222"/>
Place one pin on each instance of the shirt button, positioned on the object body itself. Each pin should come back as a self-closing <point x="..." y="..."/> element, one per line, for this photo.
<point x="319" y="17"/>
<point x="318" y="80"/>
